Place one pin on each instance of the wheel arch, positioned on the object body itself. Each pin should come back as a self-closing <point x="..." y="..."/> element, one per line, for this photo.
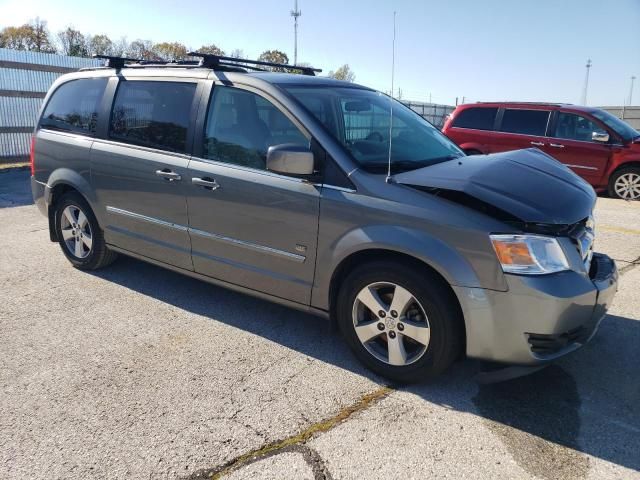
<point x="61" y="182"/>
<point x="474" y="146"/>
<point x="362" y="257"/>
<point x="635" y="163"/>
<point x="626" y="164"/>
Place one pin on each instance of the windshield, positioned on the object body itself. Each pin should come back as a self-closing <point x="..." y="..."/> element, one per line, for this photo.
<point x="622" y="128"/>
<point x="359" y="119"/>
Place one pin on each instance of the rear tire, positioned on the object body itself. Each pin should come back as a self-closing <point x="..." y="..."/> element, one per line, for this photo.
<point x="79" y="235"/>
<point x="418" y="329"/>
<point x="625" y="184"/>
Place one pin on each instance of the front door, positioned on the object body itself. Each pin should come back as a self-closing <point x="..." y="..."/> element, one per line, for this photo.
<point x="139" y="172"/>
<point x="571" y="143"/>
<point x="249" y="226"/>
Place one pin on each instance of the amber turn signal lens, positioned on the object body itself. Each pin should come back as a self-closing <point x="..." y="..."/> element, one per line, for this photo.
<point x="513" y="252"/>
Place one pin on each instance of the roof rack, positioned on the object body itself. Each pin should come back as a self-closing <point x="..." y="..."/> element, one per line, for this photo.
<point x="117" y="62"/>
<point x="216" y="61"/>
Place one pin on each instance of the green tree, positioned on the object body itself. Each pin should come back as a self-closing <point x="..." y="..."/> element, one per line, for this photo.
<point x="170" y="51"/>
<point x="73" y="43"/>
<point x="343" y="73"/>
<point x="212" y="49"/>
<point x="32" y="36"/>
<point x="274" y="56"/>
<point x="99" y="45"/>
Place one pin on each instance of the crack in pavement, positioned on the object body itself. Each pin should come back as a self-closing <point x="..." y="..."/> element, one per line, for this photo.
<point x="296" y="443"/>
<point x="630" y="266"/>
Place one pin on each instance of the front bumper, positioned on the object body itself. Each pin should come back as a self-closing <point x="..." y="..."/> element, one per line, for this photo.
<point x="540" y="318"/>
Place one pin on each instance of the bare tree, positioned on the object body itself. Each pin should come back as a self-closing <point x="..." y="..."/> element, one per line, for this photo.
<point x="211" y="49"/>
<point x="41" y="37"/>
<point x="343" y="73"/>
<point x="120" y="48"/>
<point x="73" y="43"/>
<point x="170" y="51"/>
<point x="142" y="49"/>
<point x="237" y="53"/>
<point x="99" y="45"/>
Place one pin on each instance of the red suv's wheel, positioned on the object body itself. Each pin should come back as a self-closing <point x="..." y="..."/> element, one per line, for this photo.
<point x="625" y="184"/>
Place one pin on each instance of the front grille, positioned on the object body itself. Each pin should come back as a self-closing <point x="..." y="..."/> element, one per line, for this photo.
<point x="582" y="235"/>
<point x="549" y="344"/>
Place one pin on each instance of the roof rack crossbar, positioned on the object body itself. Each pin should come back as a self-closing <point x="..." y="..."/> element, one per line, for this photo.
<point x="212" y="61"/>
<point x="117" y="62"/>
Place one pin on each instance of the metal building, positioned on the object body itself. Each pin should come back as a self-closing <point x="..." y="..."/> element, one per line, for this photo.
<point x="25" y="78"/>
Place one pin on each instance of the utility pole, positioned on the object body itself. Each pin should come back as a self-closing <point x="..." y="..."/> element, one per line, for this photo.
<point x="586" y="83"/>
<point x="295" y="13"/>
<point x="633" y="78"/>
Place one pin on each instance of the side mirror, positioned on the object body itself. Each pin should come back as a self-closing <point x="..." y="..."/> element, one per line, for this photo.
<point x="602" y="137"/>
<point x="290" y="159"/>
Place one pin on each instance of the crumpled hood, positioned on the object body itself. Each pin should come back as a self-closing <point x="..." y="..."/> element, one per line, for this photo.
<point x="527" y="184"/>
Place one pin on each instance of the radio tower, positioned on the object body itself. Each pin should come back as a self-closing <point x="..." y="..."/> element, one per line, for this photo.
<point x="586" y="83"/>
<point x="295" y="13"/>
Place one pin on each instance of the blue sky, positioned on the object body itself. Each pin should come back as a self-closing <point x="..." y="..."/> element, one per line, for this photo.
<point x="482" y="50"/>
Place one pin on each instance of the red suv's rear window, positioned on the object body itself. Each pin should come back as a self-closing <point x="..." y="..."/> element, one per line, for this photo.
<point x="479" y="118"/>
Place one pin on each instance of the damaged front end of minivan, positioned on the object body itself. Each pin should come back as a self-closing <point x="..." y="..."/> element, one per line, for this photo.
<point x="558" y="288"/>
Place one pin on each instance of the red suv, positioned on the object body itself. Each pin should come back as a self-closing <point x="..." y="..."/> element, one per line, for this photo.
<point x="596" y="145"/>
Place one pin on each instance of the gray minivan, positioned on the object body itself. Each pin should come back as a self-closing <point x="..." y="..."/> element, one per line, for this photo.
<point x="328" y="197"/>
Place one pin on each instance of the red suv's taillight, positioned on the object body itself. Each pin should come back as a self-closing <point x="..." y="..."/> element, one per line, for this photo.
<point x="32" y="155"/>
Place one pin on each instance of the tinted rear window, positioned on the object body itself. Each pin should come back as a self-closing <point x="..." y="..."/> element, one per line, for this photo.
<point x="74" y="106"/>
<point x="153" y="114"/>
<point x="528" y="122"/>
<point x="477" y="118"/>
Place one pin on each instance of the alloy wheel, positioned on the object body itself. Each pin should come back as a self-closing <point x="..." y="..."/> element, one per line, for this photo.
<point x="391" y="324"/>
<point x="627" y="186"/>
<point x="76" y="231"/>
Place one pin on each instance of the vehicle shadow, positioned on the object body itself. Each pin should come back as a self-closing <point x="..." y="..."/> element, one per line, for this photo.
<point x="588" y="403"/>
<point x="15" y="189"/>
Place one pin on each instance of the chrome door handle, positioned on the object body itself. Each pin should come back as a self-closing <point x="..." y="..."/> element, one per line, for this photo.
<point x="538" y="144"/>
<point x="169" y="175"/>
<point x="557" y="145"/>
<point x="208" y="183"/>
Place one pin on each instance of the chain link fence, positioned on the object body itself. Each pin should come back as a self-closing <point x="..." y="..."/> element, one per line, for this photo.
<point x="435" y="113"/>
<point x="25" y="78"/>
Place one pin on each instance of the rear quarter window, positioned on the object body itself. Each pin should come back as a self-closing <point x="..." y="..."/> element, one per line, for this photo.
<point x="152" y="114"/>
<point x="476" y="118"/>
<point x="526" y="122"/>
<point x="74" y="106"/>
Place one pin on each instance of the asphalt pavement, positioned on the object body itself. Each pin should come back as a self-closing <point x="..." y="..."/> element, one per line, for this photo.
<point x="138" y="372"/>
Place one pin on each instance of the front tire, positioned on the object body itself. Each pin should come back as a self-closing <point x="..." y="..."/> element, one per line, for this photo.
<point x="625" y="184"/>
<point x="401" y="322"/>
<point x="79" y="234"/>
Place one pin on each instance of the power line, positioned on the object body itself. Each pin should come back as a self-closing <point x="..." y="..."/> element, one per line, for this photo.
<point x="295" y="13"/>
